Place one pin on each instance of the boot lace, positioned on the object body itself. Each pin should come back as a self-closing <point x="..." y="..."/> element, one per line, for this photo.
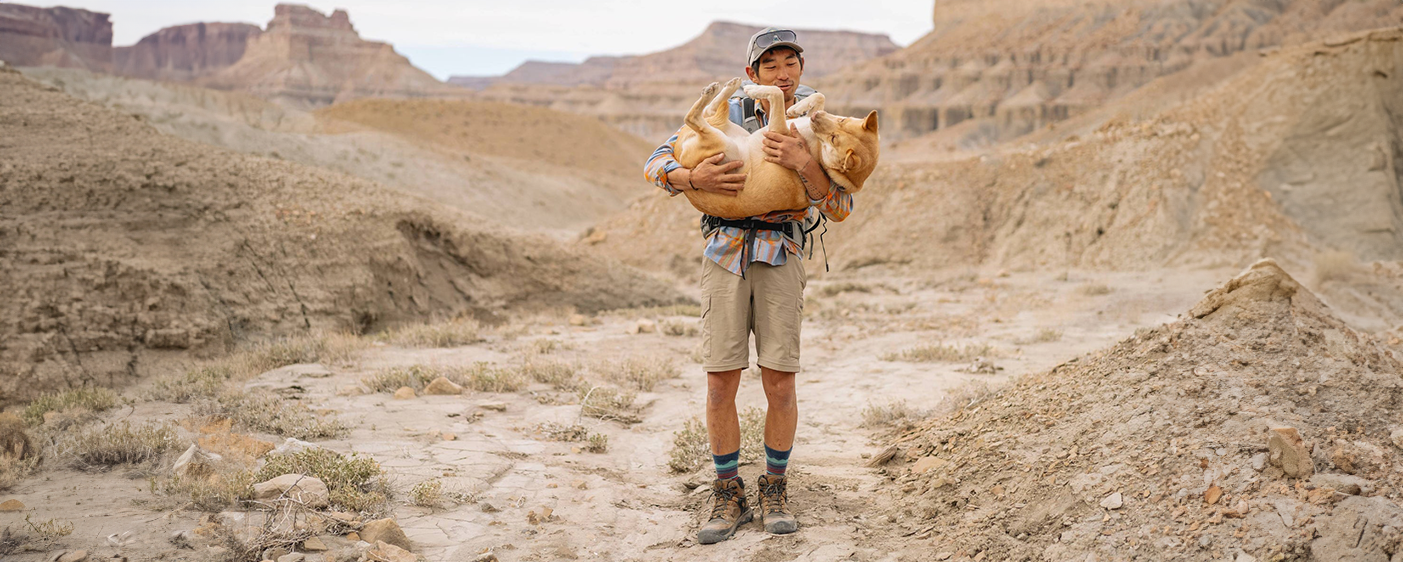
<point x="722" y="500"/>
<point x="776" y="496"/>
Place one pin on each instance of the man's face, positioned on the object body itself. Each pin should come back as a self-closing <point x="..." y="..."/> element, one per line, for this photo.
<point x="779" y="67"/>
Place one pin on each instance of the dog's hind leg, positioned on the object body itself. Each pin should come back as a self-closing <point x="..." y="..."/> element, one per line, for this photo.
<point x="694" y="118"/>
<point x="806" y="106"/>
<point x="775" y="96"/>
<point x="719" y="112"/>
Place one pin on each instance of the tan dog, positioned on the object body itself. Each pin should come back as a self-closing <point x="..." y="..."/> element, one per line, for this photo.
<point x="846" y="148"/>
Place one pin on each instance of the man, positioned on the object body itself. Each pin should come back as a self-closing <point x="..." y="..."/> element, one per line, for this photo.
<point x="753" y="282"/>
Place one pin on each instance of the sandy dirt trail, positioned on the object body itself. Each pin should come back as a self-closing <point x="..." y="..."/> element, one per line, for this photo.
<point x="513" y="492"/>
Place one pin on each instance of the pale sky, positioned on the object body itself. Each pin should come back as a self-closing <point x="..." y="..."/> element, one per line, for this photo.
<point x="479" y="37"/>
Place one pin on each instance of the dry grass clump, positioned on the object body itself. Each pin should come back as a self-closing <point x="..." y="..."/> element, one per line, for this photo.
<point x="1094" y="289"/>
<point x="264" y="411"/>
<point x="93" y="399"/>
<point x="390" y="380"/>
<point x="485" y="377"/>
<point x="679" y="328"/>
<point x="1335" y="266"/>
<point x="1044" y="335"/>
<point x="608" y="403"/>
<point x="693" y="310"/>
<point x="428" y="493"/>
<point x="833" y="289"/>
<point x="225" y="489"/>
<point x="356" y="483"/>
<point x="204" y="381"/>
<point x="116" y="444"/>
<point x="546" y="347"/>
<point x="560" y="375"/>
<point x="691" y="448"/>
<point x="940" y="352"/>
<point x="453" y="333"/>
<point x="890" y="414"/>
<point x="12" y="471"/>
<point x="964" y="396"/>
<point x="640" y="374"/>
<point x="594" y="442"/>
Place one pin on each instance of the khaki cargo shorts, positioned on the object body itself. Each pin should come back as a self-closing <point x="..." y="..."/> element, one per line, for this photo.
<point x="768" y="302"/>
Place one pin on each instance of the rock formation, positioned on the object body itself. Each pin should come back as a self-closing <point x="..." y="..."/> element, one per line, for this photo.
<point x="65" y="37"/>
<point x="306" y="58"/>
<point x="648" y="94"/>
<point x="1017" y="66"/>
<point x="185" y="52"/>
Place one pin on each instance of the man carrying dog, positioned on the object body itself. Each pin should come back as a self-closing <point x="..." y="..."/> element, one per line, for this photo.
<point x="753" y="282"/>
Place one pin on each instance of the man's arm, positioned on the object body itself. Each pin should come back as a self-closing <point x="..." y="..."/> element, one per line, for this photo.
<point x="710" y="175"/>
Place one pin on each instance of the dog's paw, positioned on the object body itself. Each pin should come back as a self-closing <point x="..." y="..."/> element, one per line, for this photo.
<point x="733" y="83"/>
<point x="710" y="89"/>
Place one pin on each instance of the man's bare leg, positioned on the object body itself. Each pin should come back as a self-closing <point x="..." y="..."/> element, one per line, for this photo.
<point x="782" y="416"/>
<point x="722" y="422"/>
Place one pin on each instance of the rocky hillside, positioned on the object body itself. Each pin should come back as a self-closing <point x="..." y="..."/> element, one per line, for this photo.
<point x="1258" y="427"/>
<point x="185" y="52"/>
<point x="122" y="248"/>
<point x="309" y="59"/>
<point x="647" y="95"/>
<point x="1012" y="66"/>
<point x="63" y="37"/>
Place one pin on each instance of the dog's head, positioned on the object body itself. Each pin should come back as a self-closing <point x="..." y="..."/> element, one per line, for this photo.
<point x="849" y="147"/>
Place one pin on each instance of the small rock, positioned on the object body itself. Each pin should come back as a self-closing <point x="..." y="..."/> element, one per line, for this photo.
<point x="389" y="553"/>
<point x="1245" y="557"/>
<point x="193" y="463"/>
<point x="1113" y="501"/>
<point x="578" y="320"/>
<point x="494" y="406"/>
<point x="314" y="544"/>
<point x="350" y="390"/>
<point x="384" y="530"/>
<point x="293" y="557"/>
<point x="11" y="505"/>
<point x="1287" y="450"/>
<point x="308" y="490"/>
<point x="73" y="556"/>
<point x="404" y="393"/>
<point x="1344" y="483"/>
<point x="646" y="326"/>
<point x="927" y="463"/>
<point x="1212" y="494"/>
<point x="1259" y="461"/>
<point x="353" y="536"/>
<point x="442" y="387"/>
<point x="449" y="436"/>
<point x="944" y="556"/>
<point x="275" y="553"/>
<point x="486" y="557"/>
<point x="1397" y="437"/>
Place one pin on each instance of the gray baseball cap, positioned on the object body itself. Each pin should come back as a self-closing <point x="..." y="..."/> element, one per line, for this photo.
<point x="770" y="38"/>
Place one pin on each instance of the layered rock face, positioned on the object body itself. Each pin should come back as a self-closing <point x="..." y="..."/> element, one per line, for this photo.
<point x="64" y="37"/>
<point x="306" y="58"/>
<point x="1016" y="66"/>
<point x="648" y="94"/>
<point x="185" y="52"/>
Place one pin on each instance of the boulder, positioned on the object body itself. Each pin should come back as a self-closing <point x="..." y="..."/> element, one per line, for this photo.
<point x="404" y="393"/>
<point x="442" y="387"/>
<point x="389" y="553"/>
<point x="308" y="490"/>
<point x="384" y="530"/>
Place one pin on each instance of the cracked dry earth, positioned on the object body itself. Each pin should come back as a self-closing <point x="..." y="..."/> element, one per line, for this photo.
<point x="522" y="496"/>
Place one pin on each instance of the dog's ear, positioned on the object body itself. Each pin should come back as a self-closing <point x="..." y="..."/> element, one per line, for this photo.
<point x="871" y="123"/>
<point x="850" y="161"/>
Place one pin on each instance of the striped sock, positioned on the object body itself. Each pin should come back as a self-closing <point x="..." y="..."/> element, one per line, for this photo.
<point x="776" y="462"/>
<point x="726" y="465"/>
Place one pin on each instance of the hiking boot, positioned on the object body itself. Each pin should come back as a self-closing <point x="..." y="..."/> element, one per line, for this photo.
<point x="729" y="509"/>
<point x="773" y="502"/>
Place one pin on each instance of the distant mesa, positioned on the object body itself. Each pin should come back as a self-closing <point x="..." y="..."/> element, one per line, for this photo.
<point x="62" y="37"/>
<point x="185" y="52"/>
<point x="716" y="53"/>
<point x="306" y="58"/>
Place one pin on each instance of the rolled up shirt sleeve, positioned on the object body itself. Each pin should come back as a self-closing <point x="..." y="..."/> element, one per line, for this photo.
<point x="660" y="164"/>
<point x="837" y="205"/>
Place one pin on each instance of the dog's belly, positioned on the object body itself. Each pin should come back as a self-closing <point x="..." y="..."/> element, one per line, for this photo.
<point x="768" y="186"/>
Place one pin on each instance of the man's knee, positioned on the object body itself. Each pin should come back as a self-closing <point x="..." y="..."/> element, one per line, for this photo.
<point x="721" y="387"/>
<point x="779" y="386"/>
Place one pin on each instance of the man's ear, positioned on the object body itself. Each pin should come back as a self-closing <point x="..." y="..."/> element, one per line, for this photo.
<point x="871" y="123"/>
<point x="750" y="73"/>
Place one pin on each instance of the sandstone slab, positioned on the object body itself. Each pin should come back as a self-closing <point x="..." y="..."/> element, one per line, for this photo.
<point x="307" y="490"/>
<point x="384" y="530"/>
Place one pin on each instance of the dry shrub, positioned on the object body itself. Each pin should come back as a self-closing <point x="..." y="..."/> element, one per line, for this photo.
<point x="833" y="289"/>
<point x="940" y="352"/>
<point x="546" y="347"/>
<point x="93" y="399"/>
<point x="390" y="380"/>
<point x="561" y="376"/>
<point x="1094" y="289"/>
<point x="692" y="310"/>
<point x="264" y="411"/>
<point x="640" y="374"/>
<point x="452" y="333"/>
<point x="1044" y="335"/>
<point x="204" y="381"/>
<point x="889" y="414"/>
<point x="12" y="471"/>
<point x="964" y="396"/>
<point x="679" y="328"/>
<point x="428" y="493"/>
<point x="485" y="377"/>
<point x="226" y="488"/>
<point x="1335" y="266"/>
<point x="356" y="483"/>
<point x="691" y="447"/>
<point x="610" y="404"/>
<point x="595" y="442"/>
<point x="116" y="444"/>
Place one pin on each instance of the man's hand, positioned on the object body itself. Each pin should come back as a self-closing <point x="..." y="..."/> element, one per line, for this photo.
<point x="789" y="150"/>
<point x="713" y="176"/>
